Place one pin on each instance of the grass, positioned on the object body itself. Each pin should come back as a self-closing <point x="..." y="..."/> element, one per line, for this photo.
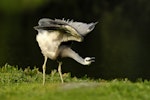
<point x="18" y="84"/>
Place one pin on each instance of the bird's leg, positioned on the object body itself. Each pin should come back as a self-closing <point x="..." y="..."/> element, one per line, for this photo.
<point x="59" y="70"/>
<point x="44" y="68"/>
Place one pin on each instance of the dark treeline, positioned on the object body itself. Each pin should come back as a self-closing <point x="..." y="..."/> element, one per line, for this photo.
<point x="120" y="41"/>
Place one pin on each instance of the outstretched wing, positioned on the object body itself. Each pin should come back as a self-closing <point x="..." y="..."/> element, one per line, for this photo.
<point x="67" y="32"/>
<point x="70" y="30"/>
<point x="82" y="28"/>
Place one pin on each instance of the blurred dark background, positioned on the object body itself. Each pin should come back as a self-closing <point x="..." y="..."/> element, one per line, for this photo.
<point x="120" y="41"/>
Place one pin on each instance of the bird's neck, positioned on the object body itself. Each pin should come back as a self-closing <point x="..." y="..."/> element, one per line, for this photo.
<point x="68" y="52"/>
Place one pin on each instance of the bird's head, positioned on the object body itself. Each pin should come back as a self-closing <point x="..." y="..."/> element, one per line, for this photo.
<point x="89" y="60"/>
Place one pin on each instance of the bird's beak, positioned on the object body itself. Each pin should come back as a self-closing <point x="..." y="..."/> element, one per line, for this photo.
<point x="92" y="59"/>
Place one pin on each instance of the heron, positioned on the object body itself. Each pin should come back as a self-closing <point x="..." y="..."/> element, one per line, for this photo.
<point x="54" y="36"/>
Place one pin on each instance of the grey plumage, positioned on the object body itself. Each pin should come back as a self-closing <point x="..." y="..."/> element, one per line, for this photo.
<point x="53" y="33"/>
<point x="81" y="28"/>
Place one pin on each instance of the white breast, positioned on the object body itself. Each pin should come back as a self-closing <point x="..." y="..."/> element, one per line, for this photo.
<point x="48" y="42"/>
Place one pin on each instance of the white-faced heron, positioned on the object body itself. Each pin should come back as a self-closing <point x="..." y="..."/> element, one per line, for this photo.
<point x="53" y="36"/>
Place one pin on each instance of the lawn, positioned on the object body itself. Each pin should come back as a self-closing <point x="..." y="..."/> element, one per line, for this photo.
<point x="18" y="84"/>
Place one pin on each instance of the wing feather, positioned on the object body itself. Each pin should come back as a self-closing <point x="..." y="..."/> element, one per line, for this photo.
<point x="68" y="33"/>
<point x="69" y="28"/>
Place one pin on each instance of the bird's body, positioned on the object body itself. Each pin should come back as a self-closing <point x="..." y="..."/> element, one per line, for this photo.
<point x="53" y="35"/>
<point x="49" y="47"/>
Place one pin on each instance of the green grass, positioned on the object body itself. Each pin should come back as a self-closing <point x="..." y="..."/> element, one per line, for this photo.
<point x="18" y="84"/>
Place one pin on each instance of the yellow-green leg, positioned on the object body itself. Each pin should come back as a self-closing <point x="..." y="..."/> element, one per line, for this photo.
<point x="60" y="73"/>
<point x="44" y="69"/>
